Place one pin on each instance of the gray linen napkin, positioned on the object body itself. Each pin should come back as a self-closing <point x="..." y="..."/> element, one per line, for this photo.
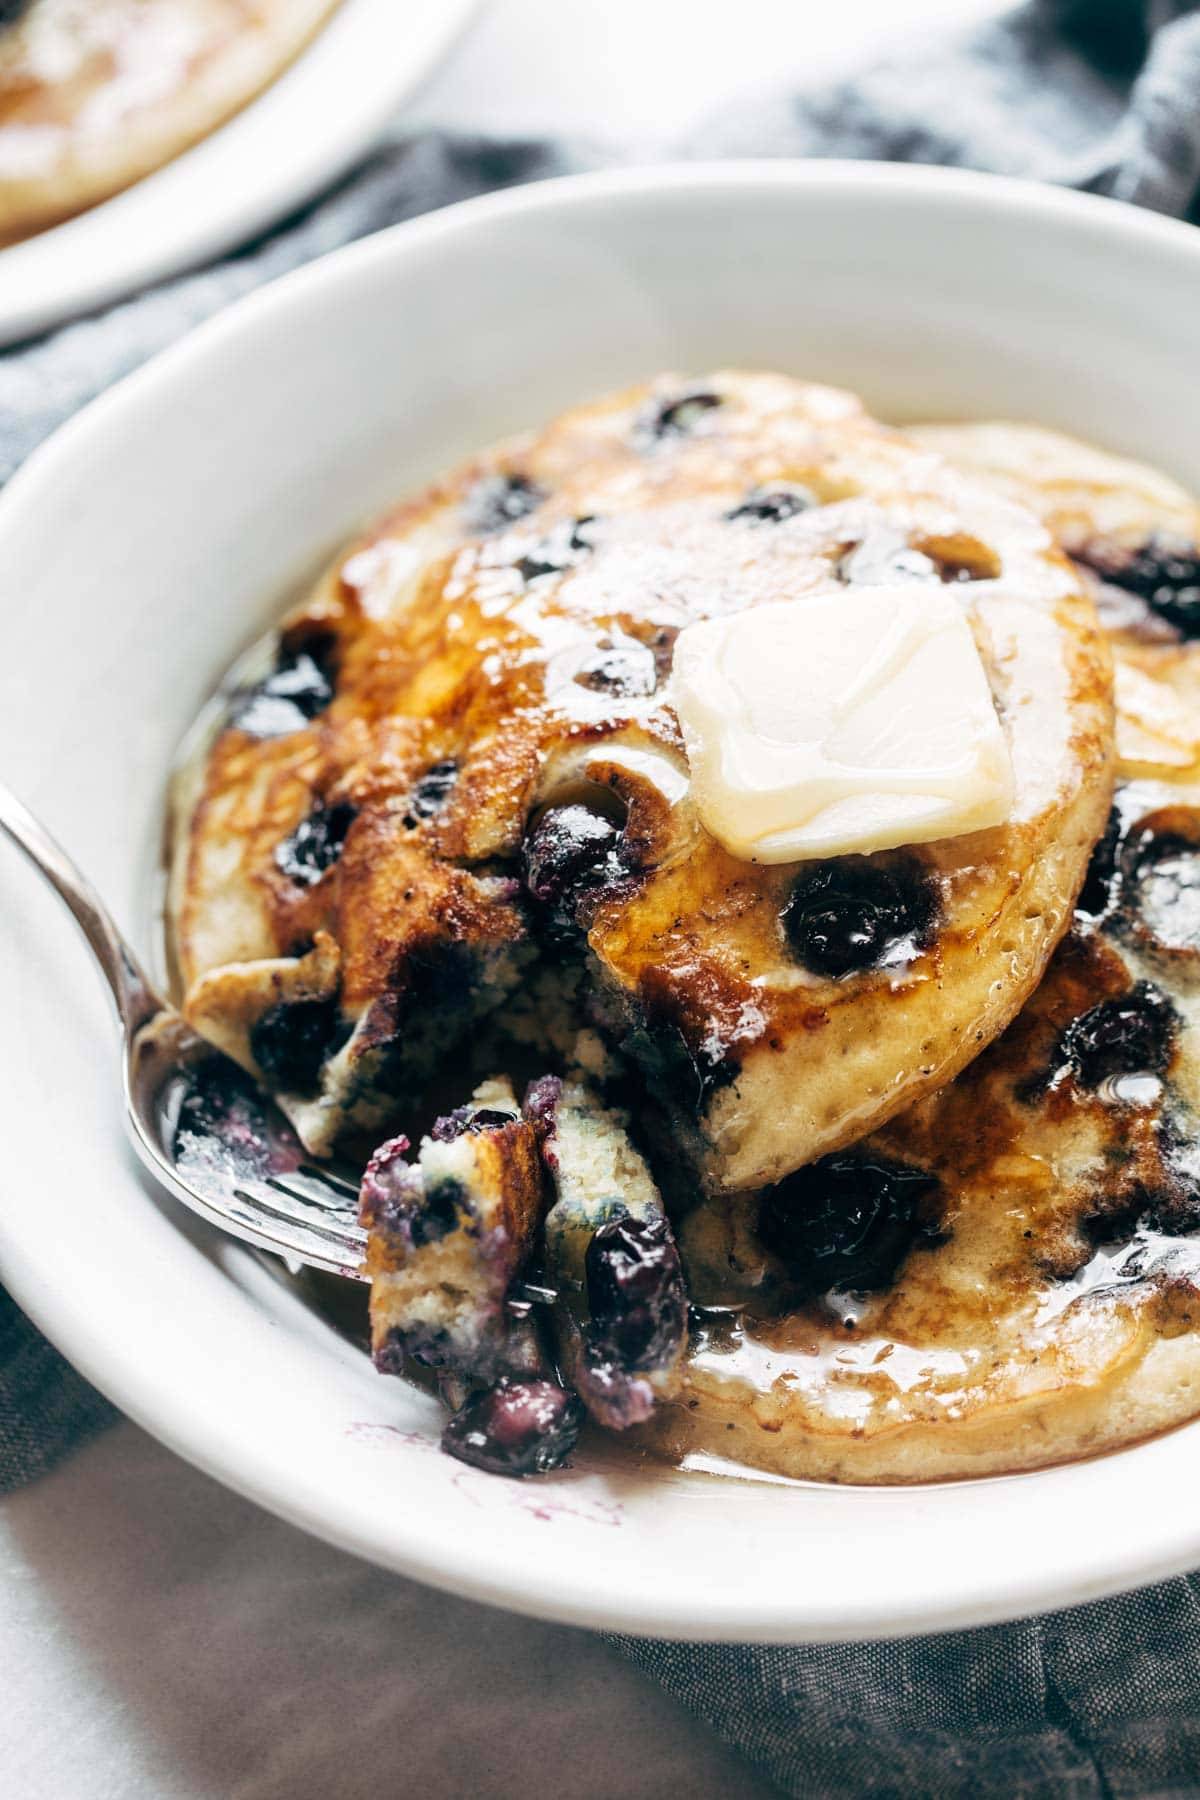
<point x="1100" y="94"/>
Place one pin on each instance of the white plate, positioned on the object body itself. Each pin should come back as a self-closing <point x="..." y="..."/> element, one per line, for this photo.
<point x="159" y="531"/>
<point x="300" y="134"/>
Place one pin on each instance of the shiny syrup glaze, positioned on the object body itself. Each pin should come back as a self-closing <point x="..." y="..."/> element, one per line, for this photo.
<point x="989" y="1310"/>
<point x="515" y="625"/>
<point x="1059" y="1255"/>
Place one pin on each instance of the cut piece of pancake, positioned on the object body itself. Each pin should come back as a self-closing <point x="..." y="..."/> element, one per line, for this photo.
<point x="464" y="767"/>
<point x="94" y="94"/>
<point x="1009" y="1274"/>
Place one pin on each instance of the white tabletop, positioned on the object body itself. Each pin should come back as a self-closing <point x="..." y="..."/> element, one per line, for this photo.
<point x="161" y="1639"/>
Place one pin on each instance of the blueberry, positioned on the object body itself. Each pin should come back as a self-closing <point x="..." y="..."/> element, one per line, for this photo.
<point x="771" y="506"/>
<point x="1131" y="1034"/>
<point x="516" y="1428"/>
<point x="1165" y="575"/>
<point x="679" y="417"/>
<point x="391" y="1190"/>
<point x="498" y="501"/>
<point x="850" y="915"/>
<point x="316" y="844"/>
<point x="570" y="853"/>
<point x="468" y="1118"/>
<point x="1099" y="891"/>
<point x="431" y="792"/>
<point x="292" y="1041"/>
<point x="440" y="1212"/>
<point x="847" y="1221"/>
<point x="626" y="671"/>
<point x="286" y="700"/>
<point x="1161" y="871"/>
<point x="11" y="10"/>
<point x="565" y="546"/>
<point x="635" y="1294"/>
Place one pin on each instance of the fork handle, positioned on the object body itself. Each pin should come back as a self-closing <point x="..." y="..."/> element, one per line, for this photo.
<point x="135" y="998"/>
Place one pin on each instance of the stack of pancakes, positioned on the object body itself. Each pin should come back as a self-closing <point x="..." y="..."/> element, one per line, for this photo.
<point x="914" y="1134"/>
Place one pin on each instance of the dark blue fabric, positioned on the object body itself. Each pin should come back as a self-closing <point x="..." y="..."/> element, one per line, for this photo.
<point x="1100" y="94"/>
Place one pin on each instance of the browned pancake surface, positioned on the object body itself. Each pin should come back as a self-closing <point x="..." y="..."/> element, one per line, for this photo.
<point x="493" y="780"/>
<point x="1040" y="1298"/>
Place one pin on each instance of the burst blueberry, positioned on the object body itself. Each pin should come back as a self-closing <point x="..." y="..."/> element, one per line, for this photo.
<point x="316" y="844"/>
<point x="516" y="1428"/>
<point x="292" y="1041"/>
<point x="847" y="1221"/>
<point x="847" y="916"/>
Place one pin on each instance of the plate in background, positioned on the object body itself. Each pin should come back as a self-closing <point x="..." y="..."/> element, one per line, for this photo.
<point x="162" y="528"/>
<point x="303" y="131"/>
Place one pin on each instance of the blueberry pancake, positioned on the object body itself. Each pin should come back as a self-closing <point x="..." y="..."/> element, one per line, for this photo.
<point x="1135" y="535"/>
<point x="1008" y="1274"/>
<point x="95" y="94"/>
<point x="463" y="777"/>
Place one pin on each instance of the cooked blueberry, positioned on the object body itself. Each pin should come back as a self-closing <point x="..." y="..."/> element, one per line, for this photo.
<point x="626" y="671"/>
<point x="1099" y="891"/>
<point x="676" y="418"/>
<point x="1131" y="1034"/>
<point x="469" y="1118"/>
<point x="688" y="1069"/>
<point x="316" y="844"/>
<point x="500" y="500"/>
<point x="516" y="1428"/>
<point x="852" y="914"/>
<point x="771" y="506"/>
<point x="286" y="700"/>
<point x="635" y="1294"/>
<point x="1165" y="575"/>
<point x="541" y="1102"/>
<point x="882" y="556"/>
<point x="561" y="549"/>
<point x="431" y="792"/>
<point x="440" y="1212"/>
<point x="1162" y="882"/>
<point x="292" y="1041"/>
<point x="11" y="10"/>
<point x="847" y="1221"/>
<point x="391" y="1190"/>
<point x="570" y="853"/>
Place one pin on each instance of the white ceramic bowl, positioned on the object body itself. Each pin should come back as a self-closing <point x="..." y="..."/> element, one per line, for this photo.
<point x="304" y="130"/>
<point x="162" y="528"/>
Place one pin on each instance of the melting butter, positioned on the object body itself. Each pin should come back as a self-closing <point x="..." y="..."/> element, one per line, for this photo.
<point x="855" y="720"/>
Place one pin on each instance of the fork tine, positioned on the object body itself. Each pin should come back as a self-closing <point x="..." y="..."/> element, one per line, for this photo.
<point x="291" y="1230"/>
<point x="314" y="1193"/>
<point x="330" y="1178"/>
<point x="290" y="1203"/>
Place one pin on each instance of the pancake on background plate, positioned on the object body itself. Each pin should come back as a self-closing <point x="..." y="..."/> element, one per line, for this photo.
<point x="94" y="94"/>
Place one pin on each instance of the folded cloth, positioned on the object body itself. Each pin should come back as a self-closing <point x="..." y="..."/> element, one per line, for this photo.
<point x="1100" y="94"/>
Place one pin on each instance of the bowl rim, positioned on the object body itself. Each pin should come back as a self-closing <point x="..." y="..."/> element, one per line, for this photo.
<point x="993" y="1597"/>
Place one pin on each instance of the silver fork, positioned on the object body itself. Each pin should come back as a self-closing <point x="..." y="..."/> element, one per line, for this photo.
<point x="301" y="1212"/>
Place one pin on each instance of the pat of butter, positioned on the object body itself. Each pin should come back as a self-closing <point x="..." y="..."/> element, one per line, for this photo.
<point x="849" y="721"/>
